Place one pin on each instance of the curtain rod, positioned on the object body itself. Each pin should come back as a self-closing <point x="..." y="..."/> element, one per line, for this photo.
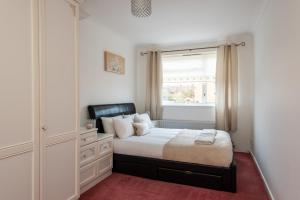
<point x="212" y="47"/>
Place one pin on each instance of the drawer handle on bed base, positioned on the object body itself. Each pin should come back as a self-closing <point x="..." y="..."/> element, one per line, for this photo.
<point x="188" y="172"/>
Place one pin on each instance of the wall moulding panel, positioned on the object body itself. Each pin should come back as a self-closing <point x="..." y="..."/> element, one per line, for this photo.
<point x="14" y="150"/>
<point x="53" y="140"/>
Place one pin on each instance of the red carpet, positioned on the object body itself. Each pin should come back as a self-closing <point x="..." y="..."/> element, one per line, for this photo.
<point x="124" y="187"/>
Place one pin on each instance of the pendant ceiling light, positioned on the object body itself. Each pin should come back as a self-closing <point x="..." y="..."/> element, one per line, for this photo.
<point x="141" y="8"/>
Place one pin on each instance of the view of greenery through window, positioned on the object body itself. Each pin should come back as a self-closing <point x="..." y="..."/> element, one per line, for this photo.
<point x="189" y="79"/>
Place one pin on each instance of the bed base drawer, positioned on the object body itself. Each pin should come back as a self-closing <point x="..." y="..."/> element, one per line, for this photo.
<point x="141" y="169"/>
<point x="218" y="178"/>
<point x="190" y="178"/>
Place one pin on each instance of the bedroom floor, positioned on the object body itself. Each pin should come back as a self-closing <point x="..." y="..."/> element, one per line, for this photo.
<point x="123" y="187"/>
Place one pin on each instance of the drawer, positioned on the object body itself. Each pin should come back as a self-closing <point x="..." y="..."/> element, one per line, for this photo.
<point x="190" y="178"/>
<point x="88" y="138"/>
<point x="88" y="153"/>
<point x="104" y="164"/>
<point x="88" y="173"/>
<point x="105" y="147"/>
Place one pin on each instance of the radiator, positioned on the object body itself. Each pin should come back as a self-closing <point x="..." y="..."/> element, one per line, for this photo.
<point x="184" y="124"/>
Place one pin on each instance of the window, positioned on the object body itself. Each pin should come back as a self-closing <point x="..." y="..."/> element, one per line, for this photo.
<point x="189" y="79"/>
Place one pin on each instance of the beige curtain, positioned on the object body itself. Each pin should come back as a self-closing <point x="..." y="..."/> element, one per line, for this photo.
<point x="154" y="85"/>
<point x="227" y="88"/>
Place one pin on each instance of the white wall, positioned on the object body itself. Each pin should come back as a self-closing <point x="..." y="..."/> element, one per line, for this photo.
<point x="277" y="108"/>
<point x="96" y="85"/>
<point x="242" y="137"/>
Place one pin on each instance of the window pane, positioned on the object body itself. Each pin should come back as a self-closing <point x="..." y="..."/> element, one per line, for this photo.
<point x="189" y="79"/>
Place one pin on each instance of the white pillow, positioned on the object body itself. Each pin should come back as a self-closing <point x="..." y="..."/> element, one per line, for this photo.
<point x="123" y="127"/>
<point x="108" y="124"/>
<point x="130" y="116"/>
<point x="141" y="128"/>
<point x="139" y="118"/>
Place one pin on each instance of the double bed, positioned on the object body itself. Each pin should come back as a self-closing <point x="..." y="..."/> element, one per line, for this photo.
<point x="144" y="156"/>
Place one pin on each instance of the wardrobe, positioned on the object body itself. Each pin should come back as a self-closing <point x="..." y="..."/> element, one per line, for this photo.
<point x="39" y="104"/>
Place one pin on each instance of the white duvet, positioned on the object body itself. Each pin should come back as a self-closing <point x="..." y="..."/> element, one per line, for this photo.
<point x="151" y="145"/>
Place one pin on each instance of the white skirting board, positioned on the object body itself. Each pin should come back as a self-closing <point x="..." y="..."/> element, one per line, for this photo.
<point x="263" y="177"/>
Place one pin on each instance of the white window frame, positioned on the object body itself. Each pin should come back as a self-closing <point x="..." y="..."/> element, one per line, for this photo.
<point x="204" y="92"/>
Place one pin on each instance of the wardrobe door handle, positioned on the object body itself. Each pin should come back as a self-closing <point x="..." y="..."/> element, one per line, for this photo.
<point x="44" y="128"/>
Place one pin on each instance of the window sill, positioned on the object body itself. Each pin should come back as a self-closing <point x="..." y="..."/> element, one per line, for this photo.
<point x="191" y="105"/>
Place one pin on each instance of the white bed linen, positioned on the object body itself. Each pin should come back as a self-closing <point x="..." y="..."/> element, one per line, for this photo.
<point x="152" y="144"/>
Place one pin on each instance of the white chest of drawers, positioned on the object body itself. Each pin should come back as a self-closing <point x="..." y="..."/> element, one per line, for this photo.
<point x="96" y="156"/>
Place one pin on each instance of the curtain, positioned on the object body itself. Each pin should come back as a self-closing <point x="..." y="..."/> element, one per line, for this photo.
<point x="154" y="85"/>
<point x="227" y="88"/>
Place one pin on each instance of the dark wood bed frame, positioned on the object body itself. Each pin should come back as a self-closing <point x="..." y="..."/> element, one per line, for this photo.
<point x="213" y="177"/>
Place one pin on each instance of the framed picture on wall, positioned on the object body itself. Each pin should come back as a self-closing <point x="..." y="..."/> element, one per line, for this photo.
<point x="114" y="63"/>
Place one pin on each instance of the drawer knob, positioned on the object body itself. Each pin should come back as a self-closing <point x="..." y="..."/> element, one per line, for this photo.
<point x="105" y="147"/>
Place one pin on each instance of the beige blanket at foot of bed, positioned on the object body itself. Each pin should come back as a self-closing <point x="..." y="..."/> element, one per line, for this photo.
<point x="183" y="148"/>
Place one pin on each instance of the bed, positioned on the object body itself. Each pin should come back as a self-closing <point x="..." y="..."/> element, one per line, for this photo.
<point x="142" y="155"/>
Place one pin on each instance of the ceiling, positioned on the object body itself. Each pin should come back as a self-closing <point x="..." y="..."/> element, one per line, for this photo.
<point x="177" y="21"/>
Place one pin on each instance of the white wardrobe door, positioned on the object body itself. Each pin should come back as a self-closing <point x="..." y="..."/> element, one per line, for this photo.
<point x="16" y="72"/>
<point x="60" y="171"/>
<point x="16" y="101"/>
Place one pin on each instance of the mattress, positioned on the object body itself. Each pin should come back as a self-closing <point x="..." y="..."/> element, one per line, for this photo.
<point x="151" y="145"/>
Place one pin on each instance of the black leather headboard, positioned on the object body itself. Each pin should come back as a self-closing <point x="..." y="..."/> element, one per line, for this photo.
<point x="109" y="110"/>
